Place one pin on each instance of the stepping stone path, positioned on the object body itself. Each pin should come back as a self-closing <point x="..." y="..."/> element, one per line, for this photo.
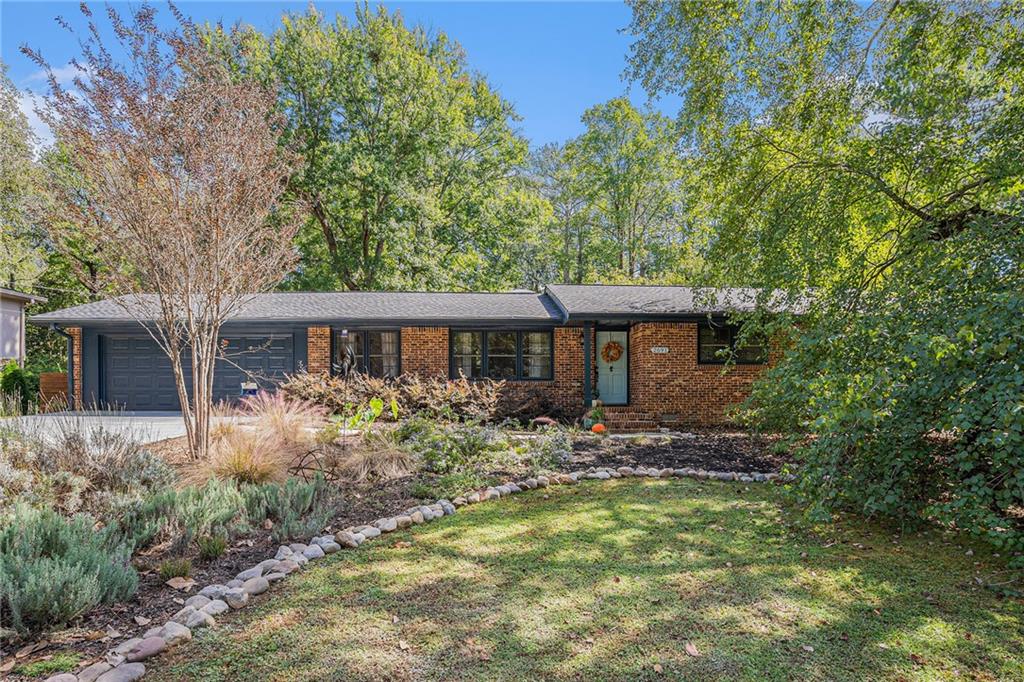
<point x="124" y="662"/>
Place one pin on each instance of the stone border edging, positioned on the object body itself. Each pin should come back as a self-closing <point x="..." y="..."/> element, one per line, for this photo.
<point x="124" y="663"/>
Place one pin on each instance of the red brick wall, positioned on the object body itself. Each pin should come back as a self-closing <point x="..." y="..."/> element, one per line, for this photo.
<point x="76" y="344"/>
<point x="674" y="384"/>
<point x="425" y="351"/>
<point x="318" y="349"/>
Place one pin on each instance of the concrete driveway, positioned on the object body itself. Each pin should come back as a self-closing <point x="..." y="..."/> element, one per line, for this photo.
<point x="147" y="427"/>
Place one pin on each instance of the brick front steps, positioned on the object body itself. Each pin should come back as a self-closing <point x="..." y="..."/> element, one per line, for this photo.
<point x="124" y="663"/>
<point x="629" y="420"/>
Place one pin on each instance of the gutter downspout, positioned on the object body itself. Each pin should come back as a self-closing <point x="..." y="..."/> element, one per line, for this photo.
<point x="71" y="363"/>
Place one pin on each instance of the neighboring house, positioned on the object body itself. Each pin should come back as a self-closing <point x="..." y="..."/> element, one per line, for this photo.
<point x="647" y="352"/>
<point x="12" y="324"/>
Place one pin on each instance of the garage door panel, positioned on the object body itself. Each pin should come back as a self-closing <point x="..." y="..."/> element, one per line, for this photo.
<point x="138" y="376"/>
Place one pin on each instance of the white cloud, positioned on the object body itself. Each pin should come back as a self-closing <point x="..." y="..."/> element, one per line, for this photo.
<point x="27" y="102"/>
<point x="64" y="74"/>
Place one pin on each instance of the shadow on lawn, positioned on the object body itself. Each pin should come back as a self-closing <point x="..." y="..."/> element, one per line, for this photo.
<point x="606" y="582"/>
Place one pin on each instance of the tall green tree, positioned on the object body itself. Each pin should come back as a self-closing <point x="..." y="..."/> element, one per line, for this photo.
<point x="875" y="153"/>
<point x="20" y="184"/>
<point x="569" y="230"/>
<point x="410" y="156"/>
<point x="632" y="173"/>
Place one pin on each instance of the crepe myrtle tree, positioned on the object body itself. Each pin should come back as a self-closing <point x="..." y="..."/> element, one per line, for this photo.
<point x="181" y="180"/>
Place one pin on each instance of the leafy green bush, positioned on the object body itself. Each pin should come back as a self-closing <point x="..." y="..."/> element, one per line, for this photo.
<point x="451" y="448"/>
<point x="24" y="385"/>
<point x="913" y="403"/>
<point x="53" y="569"/>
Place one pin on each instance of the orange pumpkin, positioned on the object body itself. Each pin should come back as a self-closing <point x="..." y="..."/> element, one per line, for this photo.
<point x="598" y="428"/>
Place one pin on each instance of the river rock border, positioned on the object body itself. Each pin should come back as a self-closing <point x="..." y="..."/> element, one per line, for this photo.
<point x="124" y="663"/>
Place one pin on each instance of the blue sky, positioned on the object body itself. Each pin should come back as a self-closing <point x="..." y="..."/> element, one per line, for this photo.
<point x="552" y="60"/>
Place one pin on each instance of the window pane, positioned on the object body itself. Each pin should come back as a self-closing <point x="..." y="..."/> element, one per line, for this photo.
<point x="348" y="351"/>
<point x="712" y="340"/>
<point x="536" y="367"/>
<point x="754" y="353"/>
<point x="383" y="352"/>
<point x="467" y="354"/>
<point x="536" y="355"/>
<point x="501" y="355"/>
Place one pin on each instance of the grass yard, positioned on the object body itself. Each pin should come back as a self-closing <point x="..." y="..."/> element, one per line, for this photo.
<point x="612" y="581"/>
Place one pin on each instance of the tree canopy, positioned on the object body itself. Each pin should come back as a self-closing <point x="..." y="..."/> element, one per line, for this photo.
<point x="872" y="156"/>
<point x="410" y="156"/>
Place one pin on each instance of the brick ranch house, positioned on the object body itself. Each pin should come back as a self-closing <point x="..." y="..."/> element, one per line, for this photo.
<point x="649" y="353"/>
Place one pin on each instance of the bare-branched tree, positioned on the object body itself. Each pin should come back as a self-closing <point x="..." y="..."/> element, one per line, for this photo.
<point x="181" y="187"/>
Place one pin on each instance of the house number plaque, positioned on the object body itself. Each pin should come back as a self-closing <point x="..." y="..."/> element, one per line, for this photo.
<point x="659" y="350"/>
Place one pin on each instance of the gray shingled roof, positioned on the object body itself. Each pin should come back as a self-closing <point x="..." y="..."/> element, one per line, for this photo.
<point x="356" y="306"/>
<point x="559" y="303"/>
<point x="588" y="301"/>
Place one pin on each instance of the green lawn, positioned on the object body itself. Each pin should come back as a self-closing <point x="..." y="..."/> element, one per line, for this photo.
<point x="611" y="581"/>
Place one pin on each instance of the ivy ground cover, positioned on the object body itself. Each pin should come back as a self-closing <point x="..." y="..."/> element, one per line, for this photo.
<point x="628" y="580"/>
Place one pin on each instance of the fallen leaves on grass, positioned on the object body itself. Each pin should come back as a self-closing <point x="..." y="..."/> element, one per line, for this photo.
<point x="692" y="650"/>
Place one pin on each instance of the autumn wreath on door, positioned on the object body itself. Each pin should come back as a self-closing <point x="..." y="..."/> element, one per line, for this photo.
<point x="611" y="351"/>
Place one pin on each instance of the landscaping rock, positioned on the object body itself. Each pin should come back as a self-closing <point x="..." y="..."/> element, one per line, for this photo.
<point x="347" y="539"/>
<point x="460" y="501"/>
<point x="322" y="540"/>
<point x="386" y="525"/>
<point x="298" y="547"/>
<point x="91" y="673"/>
<point x="313" y="552"/>
<point x="267" y="565"/>
<point x="332" y="546"/>
<point x="283" y="552"/>
<point x="473" y="498"/>
<point x="543" y="481"/>
<point x="214" y="591"/>
<point x="254" y="572"/>
<point x="201" y="619"/>
<point x="181" y="616"/>
<point x="218" y="606"/>
<point x="174" y="633"/>
<point x="236" y="598"/>
<point x="417" y="517"/>
<point x="62" y="677"/>
<point x="665" y="473"/>
<point x="147" y="648"/>
<point x="129" y="672"/>
<point x="127" y="645"/>
<point x="447" y="507"/>
<point x="490" y="494"/>
<point x="284" y="567"/>
<point x="401" y="521"/>
<point x="113" y="658"/>
<point x="298" y="558"/>
<point x="197" y="601"/>
<point x="256" y="586"/>
<point x="369" y="532"/>
<point x="625" y="471"/>
<point x="530" y="483"/>
<point x="274" y="577"/>
<point x="514" y="488"/>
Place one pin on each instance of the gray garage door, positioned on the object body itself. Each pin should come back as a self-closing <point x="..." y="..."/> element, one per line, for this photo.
<point x="137" y="374"/>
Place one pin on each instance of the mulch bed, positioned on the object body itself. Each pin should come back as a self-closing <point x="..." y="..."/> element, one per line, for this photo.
<point x="711" y="450"/>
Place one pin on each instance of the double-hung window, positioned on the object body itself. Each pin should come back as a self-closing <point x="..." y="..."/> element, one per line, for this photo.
<point x="373" y="352"/>
<point x="716" y="340"/>
<point x="512" y="355"/>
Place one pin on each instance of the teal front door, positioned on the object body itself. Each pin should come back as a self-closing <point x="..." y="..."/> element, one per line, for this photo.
<point x="613" y="367"/>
